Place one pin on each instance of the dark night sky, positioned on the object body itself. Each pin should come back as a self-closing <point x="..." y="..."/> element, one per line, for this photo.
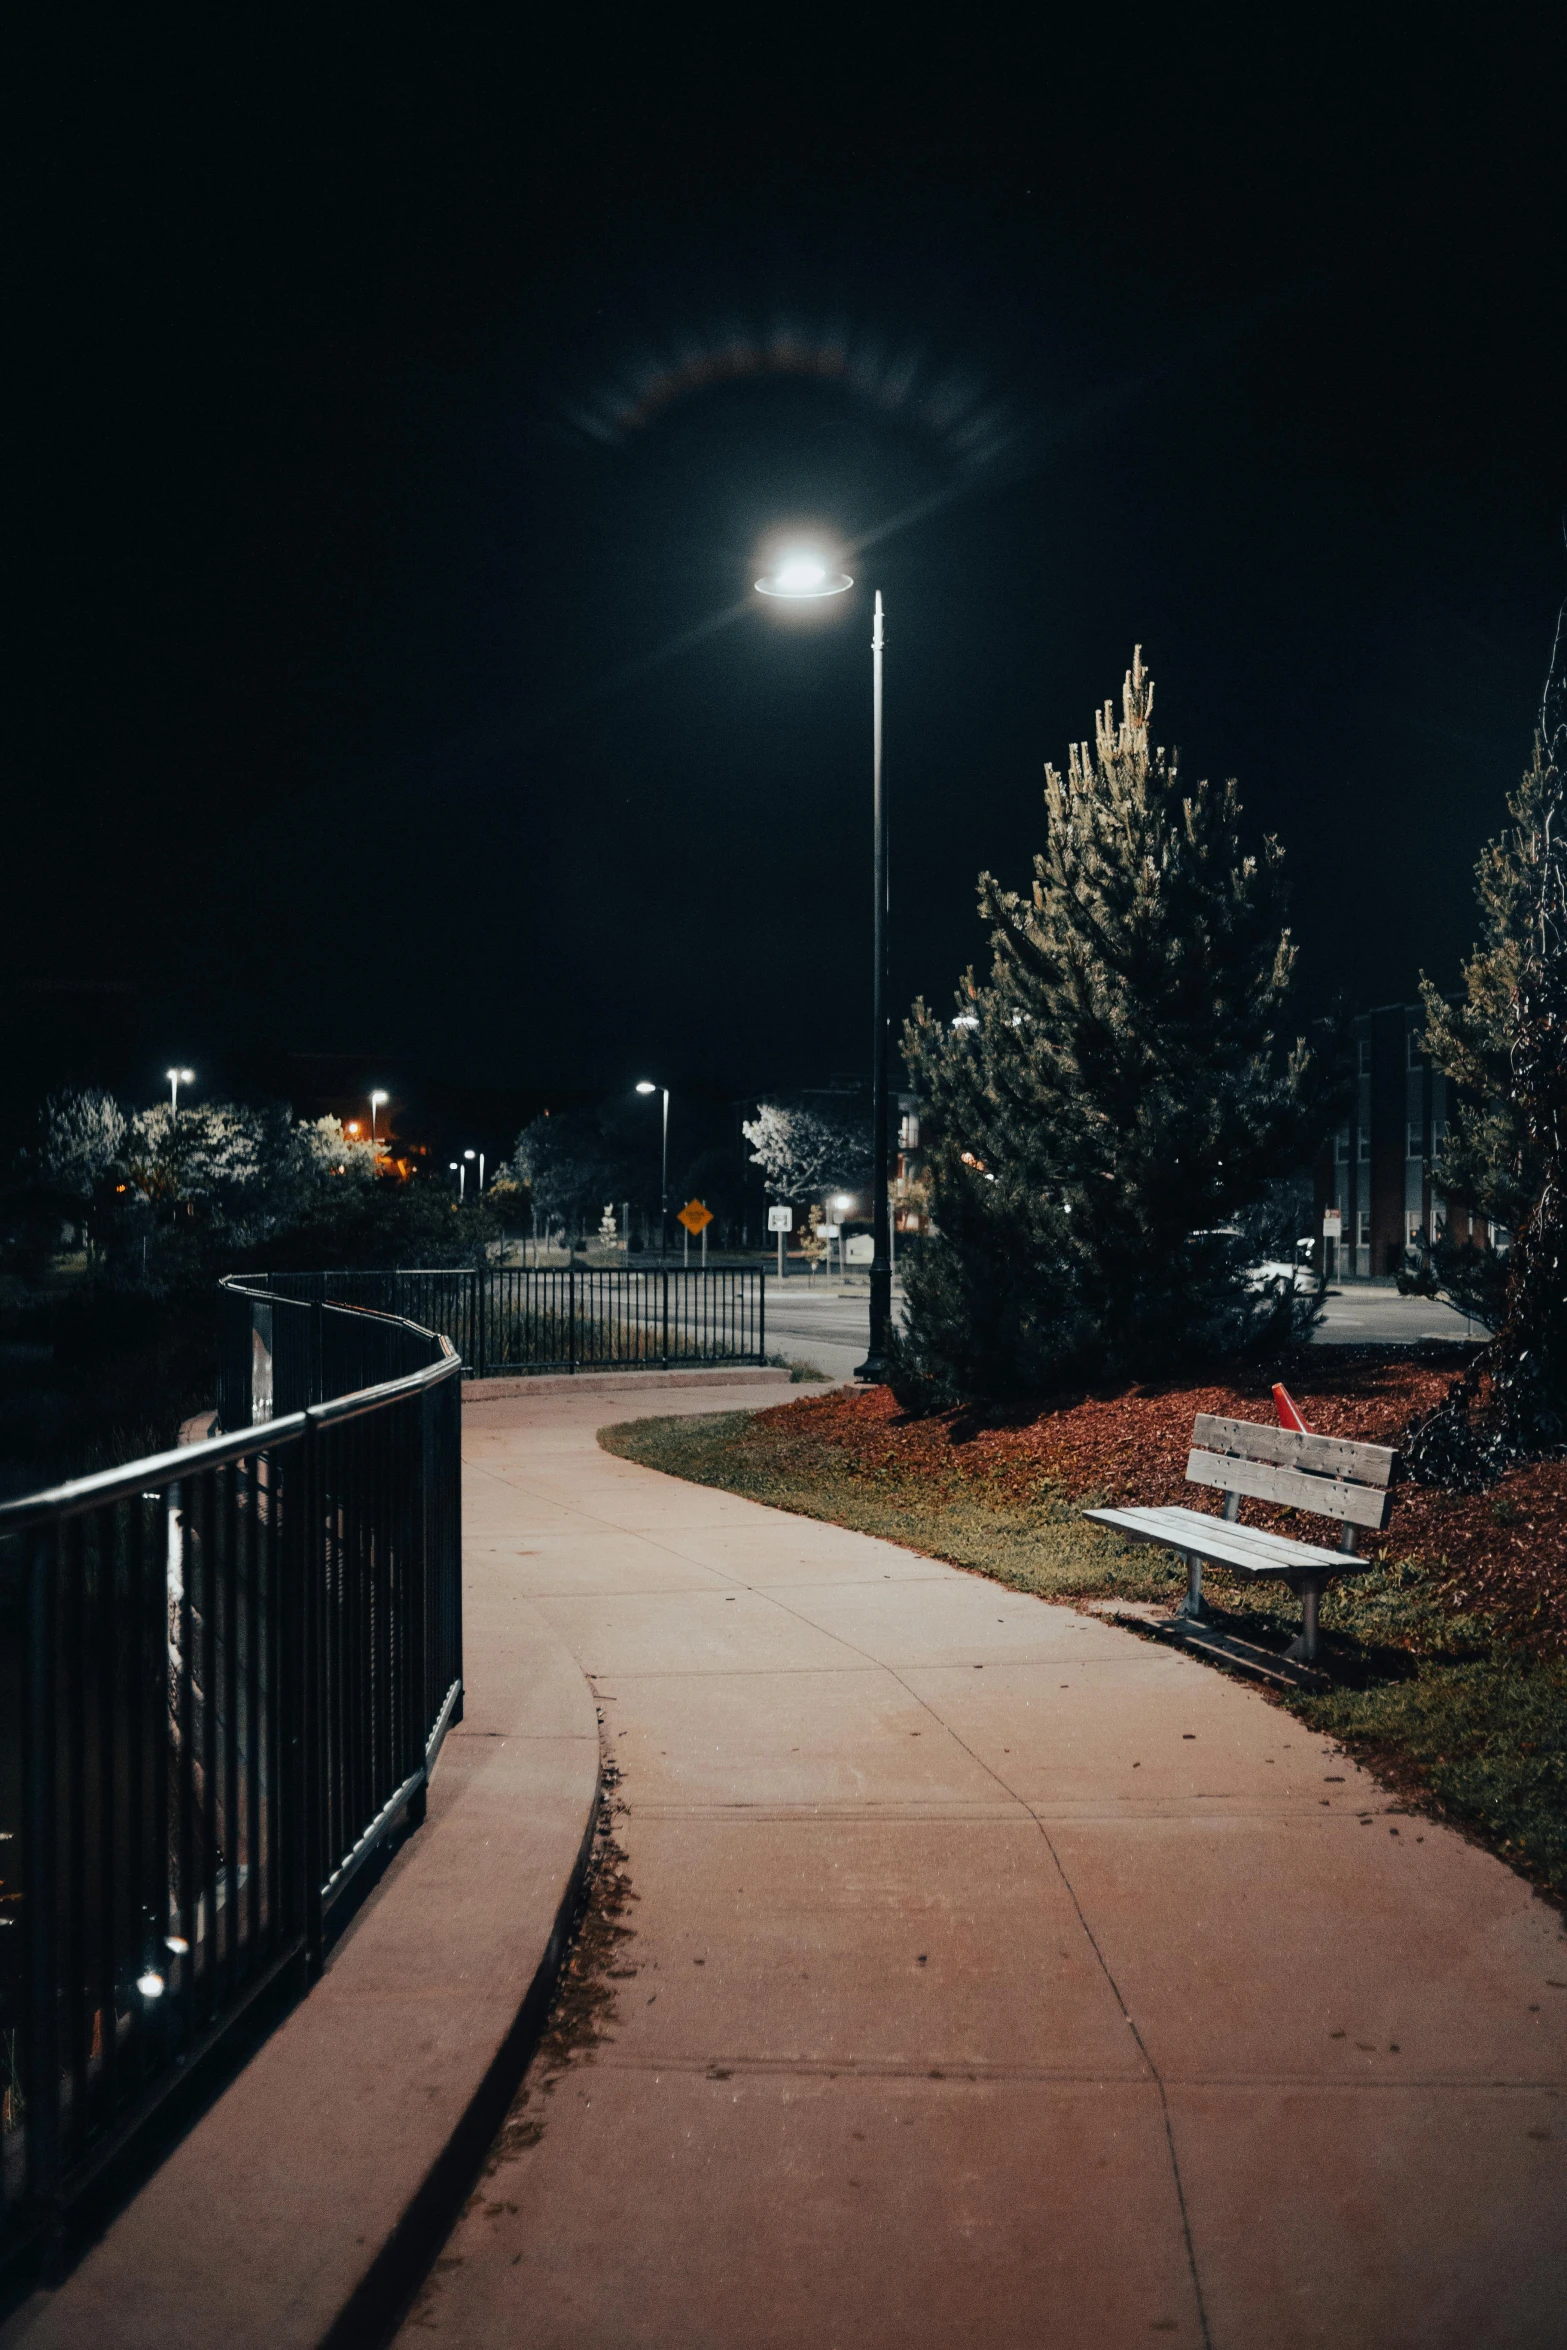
<point x="403" y="414"/>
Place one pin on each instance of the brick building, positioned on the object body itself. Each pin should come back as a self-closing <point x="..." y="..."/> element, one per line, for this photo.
<point x="1377" y="1169"/>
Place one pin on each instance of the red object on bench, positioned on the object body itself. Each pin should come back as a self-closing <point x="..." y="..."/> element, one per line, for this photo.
<point x="1288" y="1410"/>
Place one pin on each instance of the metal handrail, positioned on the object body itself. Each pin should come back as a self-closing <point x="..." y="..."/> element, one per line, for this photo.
<point x="233" y="1667"/>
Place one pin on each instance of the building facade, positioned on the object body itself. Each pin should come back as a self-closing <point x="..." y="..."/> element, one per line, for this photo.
<point x="1377" y="1170"/>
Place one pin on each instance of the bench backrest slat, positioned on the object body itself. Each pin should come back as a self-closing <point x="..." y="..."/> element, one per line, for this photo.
<point x="1330" y="1497"/>
<point x="1287" y="1448"/>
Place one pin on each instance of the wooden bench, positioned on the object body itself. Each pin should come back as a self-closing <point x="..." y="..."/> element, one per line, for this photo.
<point x="1324" y="1474"/>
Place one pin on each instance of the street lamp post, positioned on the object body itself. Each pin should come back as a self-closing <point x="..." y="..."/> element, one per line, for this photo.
<point x="796" y="578"/>
<point x="177" y="1078"/>
<point x="377" y="1099"/>
<point x="461" y="1173"/>
<point x="479" y="1155"/>
<point x="646" y="1085"/>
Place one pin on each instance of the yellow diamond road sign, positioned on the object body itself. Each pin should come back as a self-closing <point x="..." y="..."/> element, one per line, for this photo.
<point x="694" y="1216"/>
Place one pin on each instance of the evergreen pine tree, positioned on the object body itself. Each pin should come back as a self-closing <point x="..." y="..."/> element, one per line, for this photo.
<point x="1511" y="1403"/>
<point x="1115" y="1094"/>
<point x="1488" y="1162"/>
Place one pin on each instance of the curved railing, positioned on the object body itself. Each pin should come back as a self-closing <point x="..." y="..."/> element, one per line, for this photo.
<point x="225" y="1673"/>
<point x="572" y="1317"/>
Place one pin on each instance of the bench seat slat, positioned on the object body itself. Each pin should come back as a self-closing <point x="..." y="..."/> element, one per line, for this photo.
<point x="1246" y="1550"/>
<point x="1290" y="1448"/>
<point x="1329" y="1497"/>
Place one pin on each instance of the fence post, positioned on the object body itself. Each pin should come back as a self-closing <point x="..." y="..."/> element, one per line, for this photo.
<point x="311" y="1560"/>
<point x="40" y="1907"/>
<point x="315" y="1380"/>
<point x="417" y="1695"/>
<point x="571" y="1313"/>
<point x="666" y="1317"/>
<point x="761" y="1315"/>
<point x="481" y="1282"/>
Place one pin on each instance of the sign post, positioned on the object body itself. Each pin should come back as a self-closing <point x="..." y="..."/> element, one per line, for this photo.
<point x="695" y="1218"/>
<point x="780" y="1220"/>
<point x="1332" y="1229"/>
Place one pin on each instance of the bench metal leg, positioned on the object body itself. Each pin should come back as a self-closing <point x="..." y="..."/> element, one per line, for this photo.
<point x="1193" y="1604"/>
<point x="1311" y="1588"/>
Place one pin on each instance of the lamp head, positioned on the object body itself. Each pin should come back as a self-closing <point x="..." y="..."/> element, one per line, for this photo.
<point x="646" y="1085"/>
<point x="802" y="575"/>
<point x="377" y="1098"/>
<point x="470" y="1154"/>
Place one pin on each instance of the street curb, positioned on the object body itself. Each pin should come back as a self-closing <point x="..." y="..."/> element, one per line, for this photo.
<point x="622" y="1382"/>
<point x="373" y="2311"/>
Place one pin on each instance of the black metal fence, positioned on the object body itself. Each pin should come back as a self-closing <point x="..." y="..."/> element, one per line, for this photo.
<point x="511" y="1319"/>
<point x="225" y="1673"/>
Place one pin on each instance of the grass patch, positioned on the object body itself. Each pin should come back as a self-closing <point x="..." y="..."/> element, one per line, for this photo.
<point x="1433" y="1701"/>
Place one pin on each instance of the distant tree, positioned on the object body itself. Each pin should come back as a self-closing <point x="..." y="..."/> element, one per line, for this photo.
<point x="571" y="1165"/>
<point x="1116" y="1095"/>
<point x="327" y="1151"/>
<point x="807" y="1148"/>
<point x="83" y="1135"/>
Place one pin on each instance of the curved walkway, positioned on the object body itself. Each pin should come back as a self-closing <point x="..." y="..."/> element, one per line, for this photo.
<point x="997" y="1978"/>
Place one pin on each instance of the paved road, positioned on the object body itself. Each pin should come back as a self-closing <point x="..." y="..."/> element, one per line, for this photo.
<point x="831" y="1333"/>
<point x="1369" y="1316"/>
<point x="997" y="1978"/>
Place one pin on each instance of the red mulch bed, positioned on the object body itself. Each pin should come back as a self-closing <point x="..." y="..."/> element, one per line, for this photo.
<point x="1504" y="1552"/>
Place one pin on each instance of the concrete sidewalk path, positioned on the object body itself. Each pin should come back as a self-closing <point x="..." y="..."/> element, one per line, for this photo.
<point x="997" y="1978"/>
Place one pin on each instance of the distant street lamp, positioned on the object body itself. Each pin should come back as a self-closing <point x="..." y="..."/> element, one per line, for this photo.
<point x="461" y="1173"/>
<point x="177" y="1078"/>
<point x="646" y="1085"/>
<point x="840" y="1208"/>
<point x="377" y="1099"/>
<point x="479" y="1155"/>
<point x="798" y="577"/>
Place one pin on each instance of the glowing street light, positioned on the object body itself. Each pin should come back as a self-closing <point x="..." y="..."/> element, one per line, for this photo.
<point x="177" y="1078"/>
<point x="377" y="1101"/>
<point x="479" y="1155"/>
<point x="800" y="575"/>
<point x="646" y="1085"/>
<point x="461" y="1173"/>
